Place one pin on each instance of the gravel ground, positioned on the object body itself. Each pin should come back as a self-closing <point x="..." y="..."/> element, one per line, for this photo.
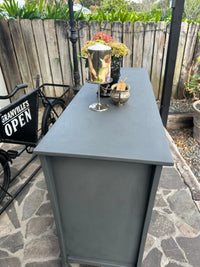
<point x="186" y="144"/>
<point x="189" y="148"/>
<point x="179" y="106"/>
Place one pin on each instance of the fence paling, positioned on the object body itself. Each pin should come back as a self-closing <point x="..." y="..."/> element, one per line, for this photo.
<point x="94" y="27"/>
<point x="52" y="48"/>
<point x="195" y="66"/>
<point x="164" y="60"/>
<point x="128" y="41"/>
<point x="28" y="48"/>
<point x="8" y="59"/>
<point x="63" y="48"/>
<point x="188" y="56"/>
<point x="158" y="57"/>
<point x="179" y="58"/>
<point x="31" y="52"/>
<point x="20" y="51"/>
<point x="138" y="44"/>
<point x="106" y="27"/>
<point x="5" y="102"/>
<point x="148" y="46"/>
<point x="117" y="32"/>
<point x="41" y="46"/>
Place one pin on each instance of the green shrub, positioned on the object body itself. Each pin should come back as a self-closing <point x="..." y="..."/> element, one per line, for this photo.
<point x="193" y="84"/>
<point x="12" y="8"/>
<point x="40" y="10"/>
<point x="46" y="9"/>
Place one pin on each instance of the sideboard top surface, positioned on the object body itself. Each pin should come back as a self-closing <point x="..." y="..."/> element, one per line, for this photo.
<point x="132" y="132"/>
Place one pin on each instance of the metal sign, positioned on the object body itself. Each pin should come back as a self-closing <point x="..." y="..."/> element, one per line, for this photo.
<point x="19" y="120"/>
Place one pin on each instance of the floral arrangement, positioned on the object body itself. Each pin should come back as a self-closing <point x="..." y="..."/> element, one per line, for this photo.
<point x="117" y="49"/>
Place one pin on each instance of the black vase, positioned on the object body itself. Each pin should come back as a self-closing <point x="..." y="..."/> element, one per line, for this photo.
<point x="115" y="69"/>
<point x="115" y="75"/>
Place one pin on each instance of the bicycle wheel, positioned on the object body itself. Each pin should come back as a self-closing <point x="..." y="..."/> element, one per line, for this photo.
<point x="4" y="176"/>
<point x="49" y="116"/>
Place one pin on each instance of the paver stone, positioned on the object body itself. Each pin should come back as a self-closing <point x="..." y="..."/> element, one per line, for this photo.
<point x="12" y="242"/>
<point x="191" y="248"/>
<point x="160" y="225"/>
<point x="153" y="258"/>
<point x="171" y="250"/>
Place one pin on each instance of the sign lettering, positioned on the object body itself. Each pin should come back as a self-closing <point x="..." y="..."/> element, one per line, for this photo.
<point x="16" y="118"/>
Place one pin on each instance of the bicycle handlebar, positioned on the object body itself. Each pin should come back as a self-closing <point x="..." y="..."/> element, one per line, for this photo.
<point x="17" y="87"/>
<point x="24" y="85"/>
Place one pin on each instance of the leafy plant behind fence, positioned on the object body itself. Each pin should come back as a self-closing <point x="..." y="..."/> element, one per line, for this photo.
<point x="48" y="10"/>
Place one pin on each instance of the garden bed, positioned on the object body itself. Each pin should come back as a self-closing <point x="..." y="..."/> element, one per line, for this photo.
<point x="180" y="127"/>
<point x="188" y="148"/>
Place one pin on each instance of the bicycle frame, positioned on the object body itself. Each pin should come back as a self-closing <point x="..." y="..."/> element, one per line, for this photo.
<point x="19" y="120"/>
<point x="19" y="125"/>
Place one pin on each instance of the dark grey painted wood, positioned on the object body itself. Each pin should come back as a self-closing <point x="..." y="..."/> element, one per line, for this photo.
<point x="132" y="132"/>
<point x="102" y="172"/>
<point x="56" y="209"/>
<point x="103" y="206"/>
<point x="156" y="172"/>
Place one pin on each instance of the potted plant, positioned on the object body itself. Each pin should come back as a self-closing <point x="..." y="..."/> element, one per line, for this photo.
<point x="193" y="87"/>
<point x="118" y="50"/>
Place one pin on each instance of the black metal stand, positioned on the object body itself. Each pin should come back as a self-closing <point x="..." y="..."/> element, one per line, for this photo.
<point x="178" y="7"/>
<point x="73" y="38"/>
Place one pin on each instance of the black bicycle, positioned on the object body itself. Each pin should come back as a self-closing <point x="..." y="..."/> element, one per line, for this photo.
<point x="19" y="125"/>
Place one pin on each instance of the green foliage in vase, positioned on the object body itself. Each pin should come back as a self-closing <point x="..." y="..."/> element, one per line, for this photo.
<point x="117" y="49"/>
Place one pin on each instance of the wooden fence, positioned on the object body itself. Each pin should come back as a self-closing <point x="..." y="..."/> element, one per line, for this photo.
<point x="28" y="48"/>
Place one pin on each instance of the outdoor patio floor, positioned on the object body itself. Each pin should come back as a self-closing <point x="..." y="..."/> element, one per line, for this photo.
<point x="28" y="235"/>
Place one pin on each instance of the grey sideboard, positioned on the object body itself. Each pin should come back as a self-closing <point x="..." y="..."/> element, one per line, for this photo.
<point x="102" y="171"/>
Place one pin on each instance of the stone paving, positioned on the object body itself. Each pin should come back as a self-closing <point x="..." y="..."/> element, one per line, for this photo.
<point x="28" y="235"/>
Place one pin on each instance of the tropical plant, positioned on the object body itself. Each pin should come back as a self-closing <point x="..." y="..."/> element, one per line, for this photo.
<point x="42" y="9"/>
<point x="192" y="9"/>
<point x="14" y="11"/>
<point x="2" y="13"/>
<point x="59" y="10"/>
<point x="193" y="83"/>
<point x="12" y="8"/>
<point x="128" y="15"/>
